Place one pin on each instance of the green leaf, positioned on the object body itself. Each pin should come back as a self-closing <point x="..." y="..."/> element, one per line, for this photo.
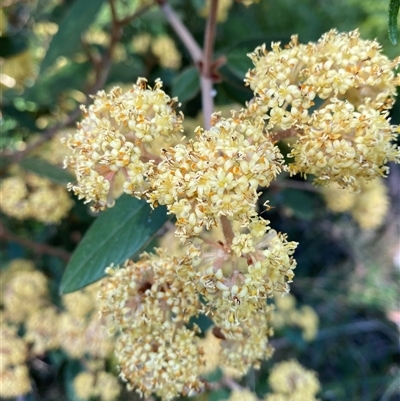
<point x="66" y="41"/>
<point x="48" y="88"/>
<point x="303" y="204"/>
<point x="72" y="369"/>
<point x="45" y="169"/>
<point x="394" y="7"/>
<point x="238" y="62"/>
<point x="233" y="87"/>
<point x="119" y="233"/>
<point x="218" y="395"/>
<point x="12" y="45"/>
<point x="186" y="85"/>
<point x="23" y="118"/>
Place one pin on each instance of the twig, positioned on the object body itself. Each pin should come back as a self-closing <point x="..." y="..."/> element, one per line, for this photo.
<point x="231" y="384"/>
<point x="37" y="247"/>
<point x="206" y="70"/>
<point x="227" y="230"/>
<point x="183" y="33"/>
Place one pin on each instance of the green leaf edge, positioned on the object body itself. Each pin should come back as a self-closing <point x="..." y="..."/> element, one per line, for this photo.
<point x="54" y="51"/>
<point x="191" y="93"/>
<point x="79" y="259"/>
<point x="34" y="165"/>
<point x="394" y="7"/>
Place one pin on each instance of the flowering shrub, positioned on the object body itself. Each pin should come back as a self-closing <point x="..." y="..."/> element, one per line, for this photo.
<point x="195" y="311"/>
<point x="213" y="180"/>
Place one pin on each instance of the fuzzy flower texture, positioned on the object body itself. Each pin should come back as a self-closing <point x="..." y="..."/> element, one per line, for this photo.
<point x="232" y="261"/>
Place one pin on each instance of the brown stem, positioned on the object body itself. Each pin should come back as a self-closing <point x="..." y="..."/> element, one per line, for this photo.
<point x="227" y="230"/>
<point x="37" y="247"/>
<point x="206" y="70"/>
<point x="285" y="134"/>
<point x="182" y="32"/>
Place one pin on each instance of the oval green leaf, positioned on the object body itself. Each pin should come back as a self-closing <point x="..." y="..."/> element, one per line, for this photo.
<point x="47" y="170"/>
<point x="186" y="85"/>
<point x="119" y="233"/>
<point x="394" y="7"/>
<point x="66" y="41"/>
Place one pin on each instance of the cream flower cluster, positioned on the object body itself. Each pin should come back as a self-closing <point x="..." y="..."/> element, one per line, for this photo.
<point x="286" y="314"/>
<point x="348" y="136"/>
<point x="237" y="279"/>
<point x="233" y="260"/>
<point x="114" y="138"/>
<point x="368" y="207"/>
<point x="14" y="374"/>
<point x="292" y="382"/>
<point x="217" y="174"/>
<point x="149" y="304"/>
<point x="76" y="329"/>
<point x="101" y="384"/>
<point x="345" y="146"/>
<point x="28" y="196"/>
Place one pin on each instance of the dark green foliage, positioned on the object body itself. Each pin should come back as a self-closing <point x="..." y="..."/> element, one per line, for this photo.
<point x="393" y="15"/>
<point x="117" y="234"/>
<point x="47" y="170"/>
<point x="66" y="42"/>
<point x="186" y="85"/>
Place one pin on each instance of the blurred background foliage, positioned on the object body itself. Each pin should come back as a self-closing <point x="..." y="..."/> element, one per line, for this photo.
<point x="347" y="275"/>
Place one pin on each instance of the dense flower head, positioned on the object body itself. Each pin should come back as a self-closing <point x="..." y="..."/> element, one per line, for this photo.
<point x="222" y="9"/>
<point x="147" y="289"/>
<point x="290" y="378"/>
<point x="372" y="205"/>
<point x="28" y="196"/>
<point x="242" y="395"/>
<point x="161" y="358"/>
<point x="25" y="293"/>
<point x="287" y="82"/>
<point x="332" y="97"/>
<point x="148" y="302"/>
<point x="14" y="375"/>
<point x="369" y="207"/>
<point x="345" y="146"/>
<point x="101" y="384"/>
<point x="115" y="137"/>
<point x="42" y="330"/>
<point x="163" y="47"/>
<point x="236" y="279"/>
<point x="14" y="350"/>
<point x="246" y="345"/>
<point x="14" y="381"/>
<point x="80" y="331"/>
<point x="217" y="174"/>
<point x="286" y="314"/>
<point x="14" y="267"/>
